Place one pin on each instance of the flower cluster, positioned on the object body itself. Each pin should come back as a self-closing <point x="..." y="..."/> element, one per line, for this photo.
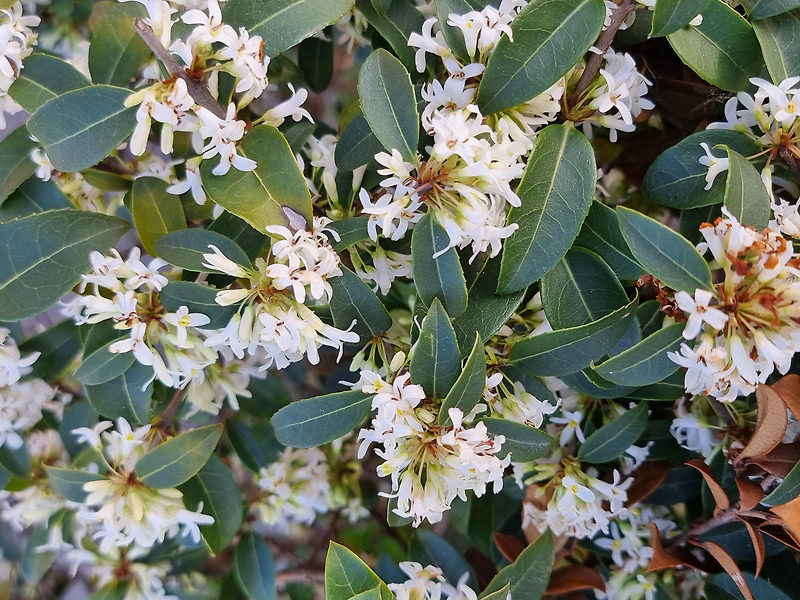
<point x="746" y="326"/>
<point x="428" y="583"/>
<point x="16" y="42"/>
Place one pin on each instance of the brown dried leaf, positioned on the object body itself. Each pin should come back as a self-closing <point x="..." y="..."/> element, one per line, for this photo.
<point x="771" y="424"/>
<point x="781" y="460"/>
<point x="788" y="388"/>
<point x="573" y="578"/>
<point x="720" y="497"/>
<point x="510" y="546"/>
<point x="758" y="546"/>
<point x="661" y="559"/>
<point x="777" y="532"/>
<point x="730" y="566"/>
<point x="646" y="480"/>
<point x="790" y="515"/>
<point x="750" y="494"/>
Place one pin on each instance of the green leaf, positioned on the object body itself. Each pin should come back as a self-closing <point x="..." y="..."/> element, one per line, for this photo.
<point x="353" y="300"/>
<point x="246" y="446"/>
<point x="240" y="232"/>
<point x="176" y="460"/>
<point x="663" y="252"/>
<point x="102" y="365"/>
<point x="35" y="563"/>
<point x="198" y="299"/>
<point x="671" y="15"/>
<point x="525" y="443"/>
<point x="315" y="58"/>
<point x="15" y="163"/>
<point x="215" y="486"/>
<point x="600" y="233"/>
<point x="185" y="248"/>
<point x="722" y="587"/>
<point x="501" y="594"/>
<point x="556" y="192"/>
<point x="321" y="419"/>
<point x="255" y="568"/>
<point x="569" y="350"/>
<point x="453" y="35"/>
<point x="427" y="548"/>
<point x="468" y="388"/>
<point x="435" y="360"/>
<point x="646" y="362"/>
<point x="45" y="254"/>
<point x="616" y="436"/>
<point x="395" y="25"/>
<point x="80" y="128"/>
<point x="723" y="49"/>
<point x="127" y="395"/>
<point x="357" y="144"/>
<point x="16" y="460"/>
<point x="787" y="490"/>
<point x="58" y="345"/>
<point x="68" y="483"/>
<point x="745" y="195"/>
<point x="529" y="574"/>
<point x="117" y="52"/>
<point x="440" y="277"/>
<point x="550" y="36"/>
<point x="284" y="23"/>
<point x="758" y="9"/>
<point x="779" y="37"/>
<point x="580" y="289"/>
<point x="33" y="196"/>
<point x="677" y="179"/>
<point x="388" y="103"/>
<point x="43" y="78"/>
<point x="346" y="575"/>
<point x="155" y="212"/>
<point x="351" y="231"/>
<point x="257" y="196"/>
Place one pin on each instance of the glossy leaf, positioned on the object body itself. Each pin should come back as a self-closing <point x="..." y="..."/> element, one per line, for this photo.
<point x="102" y="365"/>
<point x="745" y="195"/>
<point x="246" y="446"/>
<point x="284" y="23"/>
<point x="762" y="9"/>
<point x="672" y="15"/>
<point x="43" y="78"/>
<point x="395" y="25"/>
<point x="15" y="163"/>
<point x="80" y="128"/>
<point x="240" y="232"/>
<point x="646" y="362"/>
<point x="16" y="461"/>
<point x="33" y="196"/>
<point x="127" y="395"/>
<point x="427" y="548"/>
<point x="45" y="255"/>
<point x="36" y="563"/>
<point x="569" y="350"/>
<point x="453" y="35"/>
<point x="346" y="575"/>
<point x="435" y="360"/>
<point x="255" y="568"/>
<point x="197" y="298"/>
<point x="525" y="443"/>
<point x="185" y="248"/>
<point x="321" y="419"/>
<point x="440" y="277"/>
<point x="388" y="103"/>
<point x="616" y="436"/>
<point x="529" y="574"/>
<point x="58" y="346"/>
<point x="117" y="52"/>
<point x="467" y="391"/>
<point x="351" y="230"/>
<point x="315" y="58"/>
<point x="581" y="288"/>
<point x="175" y="461"/>
<point x="787" y="490"/>
<point x="155" y="212"/>
<point x="663" y="252"/>
<point x="779" y="37"/>
<point x="722" y="587"/>
<point x="723" y="49"/>
<point x="257" y="196"/>
<point x="550" y="36"/>
<point x="68" y="483"/>
<point x="353" y="300"/>
<point x="556" y="192"/>
<point x="357" y="144"/>
<point x="600" y="233"/>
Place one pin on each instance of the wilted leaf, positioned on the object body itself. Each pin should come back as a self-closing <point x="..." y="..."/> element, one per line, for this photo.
<point x="720" y="497"/>
<point x="770" y="427"/>
<point x="730" y="566"/>
<point x="661" y="559"/>
<point x="573" y="578"/>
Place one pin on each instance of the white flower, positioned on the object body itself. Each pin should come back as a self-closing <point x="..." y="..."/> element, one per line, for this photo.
<point x="716" y="165"/>
<point x="223" y="135"/>
<point x="699" y="312"/>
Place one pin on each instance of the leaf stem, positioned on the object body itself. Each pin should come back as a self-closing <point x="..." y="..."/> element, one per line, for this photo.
<point x="197" y="90"/>
<point x="168" y="416"/>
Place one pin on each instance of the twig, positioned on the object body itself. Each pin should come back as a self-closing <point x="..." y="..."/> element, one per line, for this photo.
<point x="621" y="12"/>
<point x="168" y="416"/>
<point x="197" y="90"/>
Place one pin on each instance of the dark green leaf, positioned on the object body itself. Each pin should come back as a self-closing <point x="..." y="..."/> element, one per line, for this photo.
<point x="722" y="587"/>
<point x="246" y="446"/>
<point x="315" y="58"/>
<point x="357" y="144"/>
<point x="453" y="35"/>
<point x="185" y="248"/>
<point x="529" y="574"/>
<point x="198" y="299"/>
<point x="351" y="231"/>
<point x="550" y="36"/>
<point x="569" y="350"/>
<point x="15" y="163"/>
<point x="258" y="196"/>
<point x="586" y="382"/>
<point x="34" y="562"/>
<point x="284" y="23"/>
<point x="779" y="37"/>
<point x="616" y="436"/>
<point x="762" y="9"/>
<point x="671" y="15"/>
<point x="388" y="103"/>
<point x="43" y="78"/>
<point x="45" y="254"/>
<point x="468" y="388"/>
<point x="353" y="300"/>
<point x="787" y="490"/>
<point x="102" y="365"/>
<point x="435" y="360"/>
<point x="80" y="128"/>
<point x="155" y="212"/>
<point x="663" y="252"/>
<point x="600" y="233"/>
<point x="723" y="49"/>
<point x="297" y="133"/>
<point x="117" y="52"/>
<point x="68" y="483"/>
<point x="580" y="289"/>
<point x="215" y="486"/>
<point x="127" y="395"/>
<point x="427" y="548"/>
<point x="240" y="232"/>
<point x="556" y="192"/>
<point x="439" y="277"/>
<point x="79" y="413"/>
<point x="176" y="460"/>
<point x="321" y="419"/>
<point x="745" y="195"/>
<point x="525" y="443"/>
<point x="33" y="196"/>
<point x="645" y="362"/>
<point x="16" y="460"/>
<point x="396" y="25"/>
<point x="255" y="568"/>
<point x="346" y="575"/>
<point x="58" y="345"/>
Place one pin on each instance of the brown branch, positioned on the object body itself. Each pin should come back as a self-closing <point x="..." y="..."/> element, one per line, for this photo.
<point x="197" y="90"/>
<point x="168" y="415"/>
<point x="624" y="8"/>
